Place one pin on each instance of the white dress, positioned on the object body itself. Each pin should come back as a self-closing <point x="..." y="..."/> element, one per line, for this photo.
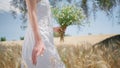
<point x="51" y="58"/>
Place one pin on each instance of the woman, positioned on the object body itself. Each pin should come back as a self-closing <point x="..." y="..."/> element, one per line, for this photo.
<point x="38" y="50"/>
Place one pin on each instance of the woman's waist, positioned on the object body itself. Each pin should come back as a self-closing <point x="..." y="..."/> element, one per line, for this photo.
<point x="45" y="22"/>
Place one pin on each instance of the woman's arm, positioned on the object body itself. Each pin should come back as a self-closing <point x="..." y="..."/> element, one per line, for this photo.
<point x="31" y="5"/>
<point x="39" y="47"/>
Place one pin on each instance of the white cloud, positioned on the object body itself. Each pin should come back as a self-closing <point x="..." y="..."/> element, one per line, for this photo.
<point x="5" y="6"/>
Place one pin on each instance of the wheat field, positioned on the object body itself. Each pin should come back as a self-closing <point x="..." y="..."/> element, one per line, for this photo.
<point x="94" y="51"/>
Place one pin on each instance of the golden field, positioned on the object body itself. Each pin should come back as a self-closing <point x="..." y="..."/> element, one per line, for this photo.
<point x="92" y="51"/>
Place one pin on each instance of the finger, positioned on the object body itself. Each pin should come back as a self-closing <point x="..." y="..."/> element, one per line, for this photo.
<point x="44" y="48"/>
<point x="34" y="57"/>
<point x="42" y="51"/>
<point x="39" y="52"/>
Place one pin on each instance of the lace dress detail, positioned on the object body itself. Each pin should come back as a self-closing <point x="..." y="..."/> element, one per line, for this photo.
<point x="51" y="58"/>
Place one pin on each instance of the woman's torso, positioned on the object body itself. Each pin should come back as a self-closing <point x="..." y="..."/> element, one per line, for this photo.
<point x="43" y="9"/>
<point x="44" y="19"/>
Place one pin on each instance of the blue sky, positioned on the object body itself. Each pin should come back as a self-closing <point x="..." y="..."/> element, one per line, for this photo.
<point x="10" y="27"/>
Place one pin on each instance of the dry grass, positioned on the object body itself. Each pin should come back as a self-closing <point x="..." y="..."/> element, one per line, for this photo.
<point x="82" y="57"/>
<point x="82" y="54"/>
<point x="105" y="54"/>
<point x="10" y="53"/>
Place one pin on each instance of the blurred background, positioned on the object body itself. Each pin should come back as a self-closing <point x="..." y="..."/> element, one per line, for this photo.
<point x="11" y="24"/>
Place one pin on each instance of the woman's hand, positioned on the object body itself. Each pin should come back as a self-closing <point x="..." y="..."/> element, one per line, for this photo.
<point x="38" y="49"/>
<point x="57" y="29"/>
